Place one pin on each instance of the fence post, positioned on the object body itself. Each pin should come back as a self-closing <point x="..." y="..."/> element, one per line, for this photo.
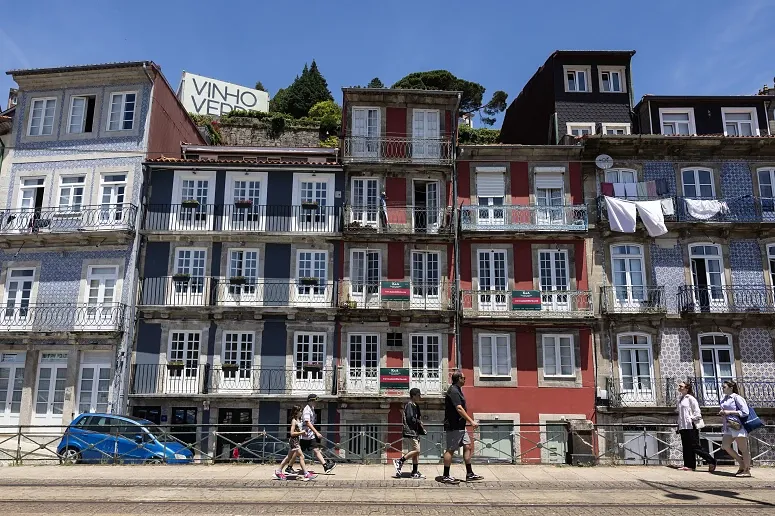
<point x="645" y="447"/>
<point x="18" y="459"/>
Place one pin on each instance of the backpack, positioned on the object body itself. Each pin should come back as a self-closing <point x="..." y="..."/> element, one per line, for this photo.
<point x="752" y="421"/>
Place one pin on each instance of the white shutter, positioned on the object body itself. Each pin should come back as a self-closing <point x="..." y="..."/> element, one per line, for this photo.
<point x="485" y="360"/>
<point x="503" y="365"/>
<point x="549" y="180"/>
<point x="490" y="184"/>
<point x="359" y="122"/>
<point x="418" y="130"/>
<point x="432" y="124"/>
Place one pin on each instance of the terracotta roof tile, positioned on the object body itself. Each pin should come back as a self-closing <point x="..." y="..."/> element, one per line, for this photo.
<point x="166" y="159"/>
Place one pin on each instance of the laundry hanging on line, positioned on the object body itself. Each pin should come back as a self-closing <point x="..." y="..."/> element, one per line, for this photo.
<point x="622" y="215"/>
<point x="704" y="209"/>
<point x="651" y="214"/>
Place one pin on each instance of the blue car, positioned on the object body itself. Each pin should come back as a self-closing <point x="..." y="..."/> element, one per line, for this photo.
<point x="110" y="438"/>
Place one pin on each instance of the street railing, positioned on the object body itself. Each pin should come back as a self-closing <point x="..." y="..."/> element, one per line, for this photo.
<point x="62" y="317"/>
<point x="523" y="218"/>
<point x="104" y="217"/>
<point x="397" y="219"/>
<point x="647" y="391"/>
<point x="575" y="442"/>
<point x="630" y="299"/>
<point x="389" y="149"/>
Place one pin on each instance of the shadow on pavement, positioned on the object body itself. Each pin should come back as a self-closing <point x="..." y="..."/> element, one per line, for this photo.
<point x="670" y="490"/>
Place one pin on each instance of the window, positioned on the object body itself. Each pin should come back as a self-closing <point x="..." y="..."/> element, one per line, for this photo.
<point x="94" y="385"/>
<point x="194" y="198"/>
<point x="81" y="117"/>
<point x="365" y="201"/>
<point x="18" y="294"/>
<point x="494" y="355"/>
<point x="553" y="274"/>
<point x="698" y="183"/>
<point x="313" y="197"/>
<point x="395" y="340"/>
<point x="237" y="355"/>
<point x="550" y="197"/>
<point x="243" y="264"/>
<point x="613" y="129"/>
<point x="364" y="276"/>
<point x="558" y="355"/>
<point x="363" y="362"/>
<point x="707" y="274"/>
<point x="425" y="133"/>
<point x="577" y="79"/>
<point x="767" y="192"/>
<point x="717" y="362"/>
<point x="771" y="258"/>
<point x="309" y="361"/>
<point x="635" y="368"/>
<point x="11" y="386"/>
<point x="677" y="122"/>
<point x="627" y="275"/>
<point x="426" y="362"/>
<point x="311" y="275"/>
<point x="122" y="111"/>
<point x="42" y="117"/>
<point x="621" y="175"/>
<point x="102" y="292"/>
<point x="612" y="81"/>
<point x="740" y="121"/>
<point x="493" y="280"/>
<point x="31" y="193"/>
<point x="189" y="286"/>
<point x="580" y="129"/>
<point x="184" y="350"/>
<point x="52" y="381"/>
<point x="365" y="132"/>
<point x="427" y="207"/>
<point x="71" y="193"/>
<point x="426" y="279"/>
<point x="491" y="192"/>
<point x="112" y="203"/>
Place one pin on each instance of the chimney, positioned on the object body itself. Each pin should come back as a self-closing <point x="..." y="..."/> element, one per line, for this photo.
<point x="13" y="97"/>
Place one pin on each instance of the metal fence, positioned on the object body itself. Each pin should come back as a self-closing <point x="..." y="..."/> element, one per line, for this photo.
<point x="104" y="217"/>
<point x="523" y="218"/>
<point x="385" y="149"/>
<point x="630" y="299"/>
<point x="62" y="317"/>
<point x="364" y="443"/>
<point x="396" y="219"/>
<point x="726" y="299"/>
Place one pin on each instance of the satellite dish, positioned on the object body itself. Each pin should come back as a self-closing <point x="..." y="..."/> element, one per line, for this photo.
<point x="604" y="161"/>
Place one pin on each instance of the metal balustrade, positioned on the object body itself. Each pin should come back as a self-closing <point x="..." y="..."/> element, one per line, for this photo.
<point x="564" y="304"/>
<point x="630" y="299"/>
<point x="523" y="218"/>
<point x="107" y="217"/>
<point x="393" y="219"/>
<point x="728" y="299"/>
<point x="388" y="149"/>
<point x="62" y="317"/>
<point x="396" y="295"/>
<point x="647" y="391"/>
<point x="192" y="291"/>
<point x="245" y="217"/>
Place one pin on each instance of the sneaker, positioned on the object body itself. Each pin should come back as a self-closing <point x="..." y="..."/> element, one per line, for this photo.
<point x="308" y="476"/>
<point x="289" y="470"/>
<point x="418" y="476"/>
<point x="398" y="463"/>
<point x="449" y="480"/>
<point x="330" y="465"/>
<point x="473" y="477"/>
<point x="280" y="475"/>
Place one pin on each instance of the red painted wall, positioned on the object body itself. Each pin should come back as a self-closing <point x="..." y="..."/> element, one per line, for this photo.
<point x="394" y="359"/>
<point x="576" y="183"/>
<point x="395" y="190"/>
<point x="520" y="183"/>
<point x="170" y="125"/>
<point x="523" y="266"/>
<point x="463" y="183"/>
<point x="395" y="261"/>
<point x="395" y="126"/>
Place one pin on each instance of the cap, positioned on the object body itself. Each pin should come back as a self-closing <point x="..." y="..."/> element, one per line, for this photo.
<point x="312" y="397"/>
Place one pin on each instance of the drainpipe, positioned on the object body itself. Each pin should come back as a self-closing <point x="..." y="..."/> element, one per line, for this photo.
<point x="145" y="69"/>
<point x="651" y="123"/>
<point x="456" y="241"/>
<point x="556" y="130"/>
<point x="767" y="105"/>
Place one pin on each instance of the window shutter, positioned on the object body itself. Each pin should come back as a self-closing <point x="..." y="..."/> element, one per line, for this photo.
<point x="485" y="360"/>
<point x="490" y="184"/>
<point x="503" y="365"/>
<point x="549" y="180"/>
<point x="550" y="357"/>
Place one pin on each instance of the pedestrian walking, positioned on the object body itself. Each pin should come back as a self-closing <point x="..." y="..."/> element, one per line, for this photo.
<point x="734" y="410"/>
<point x="455" y="419"/>
<point x="312" y="439"/>
<point x="412" y="430"/>
<point x="294" y="433"/>
<point x="689" y="424"/>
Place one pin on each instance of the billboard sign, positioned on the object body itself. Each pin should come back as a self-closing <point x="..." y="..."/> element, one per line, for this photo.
<point x="206" y="96"/>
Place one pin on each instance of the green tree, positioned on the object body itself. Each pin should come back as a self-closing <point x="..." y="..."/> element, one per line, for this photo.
<point x="472" y="93"/>
<point x="329" y="114"/>
<point x="307" y="89"/>
<point x="260" y="86"/>
<point x="375" y="83"/>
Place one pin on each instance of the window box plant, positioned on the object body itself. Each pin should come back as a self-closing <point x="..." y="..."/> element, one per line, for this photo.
<point x="190" y="203"/>
<point x="243" y="204"/>
<point x="310" y="206"/>
<point x="238" y="280"/>
<point x="181" y="276"/>
<point x="309" y="281"/>
<point x="230" y="366"/>
<point x="175" y="366"/>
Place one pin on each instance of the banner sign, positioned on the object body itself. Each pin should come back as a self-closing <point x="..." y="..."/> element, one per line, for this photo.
<point x="525" y="299"/>
<point x="395" y="291"/>
<point x="394" y="378"/>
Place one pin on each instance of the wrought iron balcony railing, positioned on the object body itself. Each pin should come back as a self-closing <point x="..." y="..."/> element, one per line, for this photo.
<point x="523" y="218"/>
<point x="514" y="304"/>
<point x="633" y="299"/>
<point x="188" y="291"/>
<point x="366" y="380"/>
<point x="733" y="299"/>
<point x="644" y="390"/>
<point x="62" y="317"/>
<point x="244" y="217"/>
<point x="396" y="295"/>
<point x="373" y="219"/>
<point x="388" y="149"/>
<point x="107" y="217"/>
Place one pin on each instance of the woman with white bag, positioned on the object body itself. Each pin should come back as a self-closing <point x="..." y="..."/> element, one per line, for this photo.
<point x="689" y="424"/>
<point x="734" y="411"/>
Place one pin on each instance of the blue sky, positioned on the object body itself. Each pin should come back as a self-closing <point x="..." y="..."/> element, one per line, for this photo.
<point x="683" y="47"/>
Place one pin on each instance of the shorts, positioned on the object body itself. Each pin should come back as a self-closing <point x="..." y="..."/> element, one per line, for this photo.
<point x="310" y="444"/>
<point x="412" y="444"/>
<point x="293" y="443"/>
<point x="456" y="439"/>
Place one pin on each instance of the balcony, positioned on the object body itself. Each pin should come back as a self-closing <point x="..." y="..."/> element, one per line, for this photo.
<point x="395" y="295"/>
<point x="523" y="218"/>
<point x="384" y="149"/>
<point x="527" y="304"/>
<point x="633" y="300"/>
<point x="192" y="291"/>
<point x="645" y="391"/>
<point x="109" y="217"/>
<point x="368" y="381"/>
<point x="64" y="317"/>
<point x="243" y="218"/>
<point x="418" y="220"/>
<point x="726" y="300"/>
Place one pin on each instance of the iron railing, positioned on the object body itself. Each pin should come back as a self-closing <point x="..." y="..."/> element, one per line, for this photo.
<point x="732" y="299"/>
<point x="107" y="217"/>
<point x="564" y="304"/>
<point x="392" y="219"/>
<point x="523" y="218"/>
<point x="246" y="217"/>
<point x="396" y="295"/>
<point x="388" y="149"/>
<point x="633" y="299"/>
<point x="187" y="291"/>
<point x="576" y="442"/>
<point x="62" y="317"/>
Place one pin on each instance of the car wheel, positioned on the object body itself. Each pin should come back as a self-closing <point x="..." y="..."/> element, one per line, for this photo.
<point x="70" y="455"/>
<point x="154" y="460"/>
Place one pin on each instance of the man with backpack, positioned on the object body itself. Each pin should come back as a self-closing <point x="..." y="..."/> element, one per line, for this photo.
<point x="413" y="429"/>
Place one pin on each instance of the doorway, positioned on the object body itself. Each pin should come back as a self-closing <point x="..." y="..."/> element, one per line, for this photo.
<point x="234" y="426"/>
<point x="426" y="206"/>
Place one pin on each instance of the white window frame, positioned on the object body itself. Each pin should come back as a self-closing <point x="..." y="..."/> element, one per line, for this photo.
<point x="494" y="349"/>
<point x="747" y="110"/>
<point x="636" y="394"/>
<point x="308" y="380"/>
<point x="712" y="301"/>
<point x="83" y="117"/>
<point x="558" y="354"/>
<point x="45" y="101"/>
<point x="425" y="146"/>
<point x="694" y="170"/>
<point x="712" y="392"/>
<point x="365" y="298"/>
<point x="632" y="299"/>
<point x="618" y="172"/>
<point x="242" y="378"/>
<point x="769" y="211"/>
<point x="17" y="316"/>
<point x="363" y="145"/>
<point x="363" y="378"/>
<point x="366" y="212"/>
<point x="115" y="298"/>
<point x="425" y="294"/>
<point x="13" y="361"/>
<point x="326" y="219"/>
<point x="112" y="213"/>
<point x="307" y="295"/>
<point x="570" y="126"/>
<point x="427" y="379"/>
<point x="606" y="126"/>
<point x="493" y="300"/>
<point x="771" y="263"/>
<point x="203" y="218"/>
<point x="609" y="70"/>
<point x="123" y="111"/>
<point x="248" y="219"/>
<point x="183" y="382"/>
<point x="98" y="366"/>
<point x="58" y="361"/>
<point x="68" y="208"/>
<point x="689" y="111"/>
<point x="576" y="69"/>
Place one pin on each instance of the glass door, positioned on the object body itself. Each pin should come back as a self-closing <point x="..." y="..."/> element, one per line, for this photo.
<point x="365" y="133"/>
<point x="237" y="362"/>
<point x="50" y="392"/>
<point x="11" y="387"/>
<point x="717" y="366"/>
<point x="183" y="363"/>
<point x="550" y="211"/>
<point x="363" y="363"/>
<point x="194" y="207"/>
<point x="365" y="277"/>
<point x="553" y="269"/>
<point x="18" y="293"/>
<point x="189" y="280"/>
<point x="365" y="202"/>
<point x="636" y="369"/>
<point x="309" y="362"/>
<point x="426" y="363"/>
<point x="708" y="277"/>
<point x="243" y="286"/>
<point x="426" y="280"/>
<point x="493" y="296"/>
<point x="112" y="210"/>
<point x="247" y="213"/>
<point x="628" y="275"/>
<point x="311" y="288"/>
<point x="100" y="311"/>
<point x="425" y="134"/>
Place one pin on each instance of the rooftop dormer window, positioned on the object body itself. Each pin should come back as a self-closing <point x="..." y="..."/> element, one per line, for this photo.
<point x="612" y="80"/>
<point x="577" y="79"/>
<point x="740" y="121"/>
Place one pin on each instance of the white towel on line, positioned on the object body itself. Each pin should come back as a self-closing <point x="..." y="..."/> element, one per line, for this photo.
<point x="619" y="189"/>
<point x="667" y="206"/>
<point x="621" y="215"/>
<point x="631" y="190"/>
<point x="704" y="209"/>
<point x="651" y="213"/>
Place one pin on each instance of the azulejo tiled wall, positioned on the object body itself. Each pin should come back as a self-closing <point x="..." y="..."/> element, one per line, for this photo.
<point x="746" y="263"/>
<point x="667" y="270"/>
<point x="736" y="180"/>
<point x="653" y="170"/>
<point x="675" y="353"/>
<point x="756" y="355"/>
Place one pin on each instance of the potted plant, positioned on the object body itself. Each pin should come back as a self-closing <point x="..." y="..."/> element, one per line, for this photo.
<point x="181" y="276"/>
<point x="230" y="366"/>
<point x="238" y="280"/>
<point x="309" y="205"/>
<point x="243" y="204"/>
<point x="309" y="281"/>
<point x="175" y="365"/>
<point x="314" y="365"/>
<point x="190" y="203"/>
<point x="350" y="304"/>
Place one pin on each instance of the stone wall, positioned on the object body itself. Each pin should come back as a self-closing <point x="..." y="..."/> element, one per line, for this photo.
<point x="247" y="132"/>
